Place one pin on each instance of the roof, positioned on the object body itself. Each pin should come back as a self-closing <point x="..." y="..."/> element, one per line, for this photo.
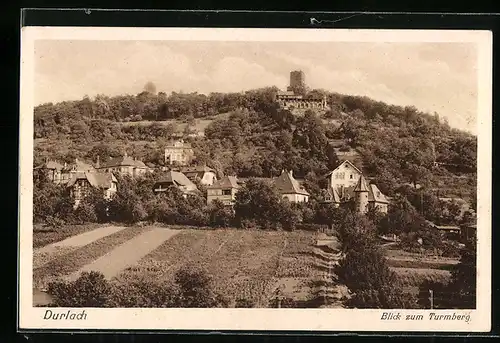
<point x="197" y="169"/>
<point x="285" y="93"/>
<point x="348" y="163"/>
<point x="96" y="179"/>
<point x="177" y="178"/>
<point x="79" y="166"/>
<point x="51" y="165"/>
<point x="347" y="193"/>
<point x="286" y="184"/>
<point x="376" y="195"/>
<point x="122" y="161"/>
<point x="225" y="182"/>
<point x="361" y="185"/>
<point x="178" y="145"/>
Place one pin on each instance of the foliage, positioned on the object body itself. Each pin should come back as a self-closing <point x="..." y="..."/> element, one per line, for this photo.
<point x="364" y="269"/>
<point x="220" y="215"/>
<point x="90" y="290"/>
<point x="460" y="291"/>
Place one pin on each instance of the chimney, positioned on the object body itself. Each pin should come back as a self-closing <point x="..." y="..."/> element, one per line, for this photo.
<point x="291" y="173"/>
<point x="97" y="164"/>
<point x="125" y="154"/>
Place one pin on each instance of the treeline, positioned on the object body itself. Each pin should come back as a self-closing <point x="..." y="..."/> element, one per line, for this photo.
<point x="191" y="287"/>
<point x="63" y="117"/>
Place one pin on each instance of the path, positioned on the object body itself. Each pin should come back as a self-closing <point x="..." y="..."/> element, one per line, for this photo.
<point x="127" y="253"/>
<point x="46" y="253"/>
<point x="327" y="257"/>
<point x="81" y="239"/>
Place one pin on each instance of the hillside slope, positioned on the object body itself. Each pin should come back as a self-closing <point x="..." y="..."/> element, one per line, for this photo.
<point x="248" y="135"/>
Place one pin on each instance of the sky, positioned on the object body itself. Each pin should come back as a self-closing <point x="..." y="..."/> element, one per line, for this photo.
<point x="434" y="77"/>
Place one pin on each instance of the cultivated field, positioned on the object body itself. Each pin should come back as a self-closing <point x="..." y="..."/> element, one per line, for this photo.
<point x="246" y="266"/>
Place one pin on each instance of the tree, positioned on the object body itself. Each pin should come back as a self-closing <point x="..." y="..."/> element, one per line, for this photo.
<point x="402" y="217"/>
<point x="150" y="87"/>
<point x="364" y="269"/>
<point x="259" y="201"/>
<point x="196" y="289"/>
<point x="220" y="215"/>
<point x="90" y="290"/>
<point x="460" y="291"/>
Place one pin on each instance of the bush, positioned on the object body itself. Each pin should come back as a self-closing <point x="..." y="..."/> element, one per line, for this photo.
<point x="220" y="215"/>
<point x="144" y="293"/>
<point x="196" y="289"/>
<point x="90" y="290"/>
<point x="85" y="213"/>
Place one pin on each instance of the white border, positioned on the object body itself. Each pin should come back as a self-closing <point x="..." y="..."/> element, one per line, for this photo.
<point x="256" y="319"/>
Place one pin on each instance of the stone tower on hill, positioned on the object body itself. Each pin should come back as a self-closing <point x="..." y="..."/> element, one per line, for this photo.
<point x="297" y="82"/>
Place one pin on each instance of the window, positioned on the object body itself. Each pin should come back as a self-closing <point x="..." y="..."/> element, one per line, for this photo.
<point x="350" y="177"/>
<point x="226" y="192"/>
<point x="340" y="176"/>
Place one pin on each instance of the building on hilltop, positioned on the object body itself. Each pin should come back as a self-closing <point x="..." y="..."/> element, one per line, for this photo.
<point x="178" y="180"/>
<point x="81" y="184"/>
<point x="290" y="188"/>
<point x="178" y="152"/>
<point x="125" y="165"/>
<point x="294" y="98"/>
<point x="224" y="190"/>
<point x="347" y="185"/>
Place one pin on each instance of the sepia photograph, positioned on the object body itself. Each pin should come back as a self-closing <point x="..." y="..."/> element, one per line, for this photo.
<point x="239" y="170"/>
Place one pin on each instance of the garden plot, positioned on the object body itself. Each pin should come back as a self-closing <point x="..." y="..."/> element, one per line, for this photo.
<point x="243" y="264"/>
<point x="75" y="259"/>
<point x="127" y="253"/>
<point x="43" y="255"/>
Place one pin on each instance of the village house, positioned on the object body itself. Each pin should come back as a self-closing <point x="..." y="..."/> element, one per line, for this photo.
<point x="52" y="169"/>
<point x="206" y="176"/>
<point x="346" y="184"/>
<point x="178" y="152"/>
<point x="224" y="190"/>
<point x="290" y="188"/>
<point x="81" y="184"/>
<point x="62" y="173"/>
<point x="125" y="165"/>
<point x="178" y="180"/>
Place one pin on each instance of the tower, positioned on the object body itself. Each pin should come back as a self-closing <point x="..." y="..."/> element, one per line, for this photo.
<point x="361" y="195"/>
<point x="297" y="82"/>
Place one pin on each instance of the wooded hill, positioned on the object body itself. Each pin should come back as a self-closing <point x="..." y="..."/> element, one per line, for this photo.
<point x="249" y="135"/>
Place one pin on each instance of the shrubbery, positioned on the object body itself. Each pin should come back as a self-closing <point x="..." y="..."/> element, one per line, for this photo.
<point x="364" y="269"/>
<point x="191" y="287"/>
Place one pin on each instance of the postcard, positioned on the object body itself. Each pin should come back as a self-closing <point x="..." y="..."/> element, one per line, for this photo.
<point x="255" y="179"/>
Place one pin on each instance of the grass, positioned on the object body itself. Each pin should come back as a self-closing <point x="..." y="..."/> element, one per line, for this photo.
<point x="43" y="236"/>
<point x="412" y="278"/>
<point x="416" y="264"/>
<point x="76" y="259"/>
<point x="416" y="276"/>
<point x="198" y="125"/>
